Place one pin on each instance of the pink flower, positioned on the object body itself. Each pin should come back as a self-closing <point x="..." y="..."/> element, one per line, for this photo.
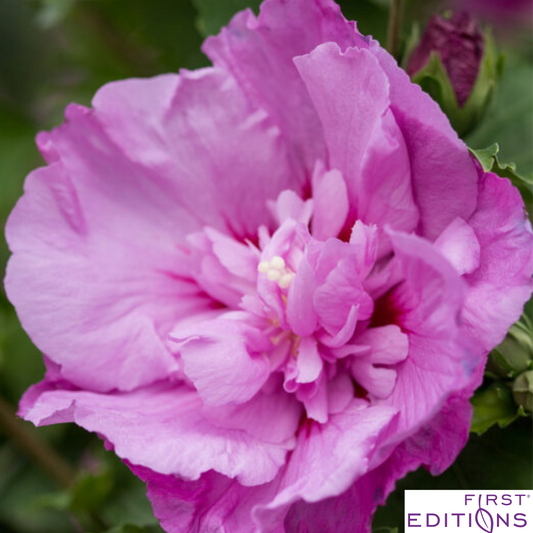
<point x="269" y="285"/>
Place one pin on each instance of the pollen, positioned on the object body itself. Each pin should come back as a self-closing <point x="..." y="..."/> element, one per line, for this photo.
<point x="276" y="270"/>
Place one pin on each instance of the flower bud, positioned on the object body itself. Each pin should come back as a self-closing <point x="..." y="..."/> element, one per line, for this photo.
<point x="523" y="390"/>
<point x="456" y="64"/>
<point x="514" y="354"/>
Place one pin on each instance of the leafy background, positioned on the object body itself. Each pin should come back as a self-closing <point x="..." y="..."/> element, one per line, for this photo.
<point x="53" y="52"/>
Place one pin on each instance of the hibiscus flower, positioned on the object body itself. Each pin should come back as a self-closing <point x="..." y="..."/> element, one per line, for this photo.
<point x="269" y="285"/>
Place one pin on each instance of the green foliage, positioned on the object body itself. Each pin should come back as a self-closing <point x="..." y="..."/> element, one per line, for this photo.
<point x="515" y="353"/>
<point x="213" y="14"/>
<point x="493" y="405"/>
<point x="488" y="158"/>
<point x="523" y="390"/>
<point x="509" y="119"/>
<point x="128" y="528"/>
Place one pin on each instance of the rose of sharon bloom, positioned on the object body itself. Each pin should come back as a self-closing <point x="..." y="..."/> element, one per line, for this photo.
<point x="270" y="285"/>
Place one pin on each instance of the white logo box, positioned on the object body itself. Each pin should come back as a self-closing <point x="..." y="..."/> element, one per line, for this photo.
<point x="468" y="511"/>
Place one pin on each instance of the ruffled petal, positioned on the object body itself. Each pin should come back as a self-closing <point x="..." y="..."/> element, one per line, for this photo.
<point x="259" y="52"/>
<point x="212" y="503"/>
<point x="502" y="284"/>
<point x="327" y="460"/>
<point x="363" y="139"/>
<point x="221" y="157"/>
<point x="443" y="174"/>
<point x="95" y="275"/>
<point x="224" y="358"/>
<point x="163" y="428"/>
<point x="435" y="446"/>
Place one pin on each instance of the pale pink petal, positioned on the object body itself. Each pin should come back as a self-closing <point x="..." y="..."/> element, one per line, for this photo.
<point x="388" y="344"/>
<point x="384" y="194"/>
<point x="459" y="244"/>
<point x="429" y="301"/>
<point x="94" y="263"/>
<point x="301" y="314"/>
<point x="335" y="298"/>
<point x="224" y="359"/>
<point x="163" y="428"/>
<point x="290" y="205"/>
<point x="309" y="361"/>
<point x="270" y="416"/>
<point x="220" y="158"/>
<point x="314" y="397"/>
<point x="378" y="381"/>
<point x="364" y="239"/>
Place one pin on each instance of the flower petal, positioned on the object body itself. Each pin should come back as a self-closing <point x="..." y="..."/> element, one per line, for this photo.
<point x="224" y="359"/>
<point x="363" y="140"/>
<point x="221" y="157"/>
<point x="327" y="459"/>
<point x="163" y="428"/>
<point x="502" y="284"/>
<point x="259" y="53"/>
<point x="459" y="244"/>
<point x="95" y="274"/>
<point x="443" y="173"/>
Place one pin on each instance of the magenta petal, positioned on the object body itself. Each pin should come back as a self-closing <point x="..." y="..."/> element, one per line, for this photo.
<point x="259" y="52"/>
<point x="435" y="446"/>
<point x="327" y="459"/>
<point x="163" y="428"/>
<point x="211" y="503"/>
<point x="330" y="203"/>
<point x="444" y="176"/>
<point x="502" y="284"/>
<point x="301" y="313"/>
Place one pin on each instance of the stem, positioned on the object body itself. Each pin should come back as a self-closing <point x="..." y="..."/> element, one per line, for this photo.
<point x="21" y="433"/>
<point x="394" y="30"/>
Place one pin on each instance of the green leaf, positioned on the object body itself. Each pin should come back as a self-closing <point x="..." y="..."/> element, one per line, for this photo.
<point x="88" y="494"/>
<point x="488" y="158"/>
<point x="493" y="405"/>
<point x="523" y="390"/>
<point x="514" y="354"/>
<point x="213" y="14"/>
<point x="129" y="528"/>
<point x="509" y="119"/>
